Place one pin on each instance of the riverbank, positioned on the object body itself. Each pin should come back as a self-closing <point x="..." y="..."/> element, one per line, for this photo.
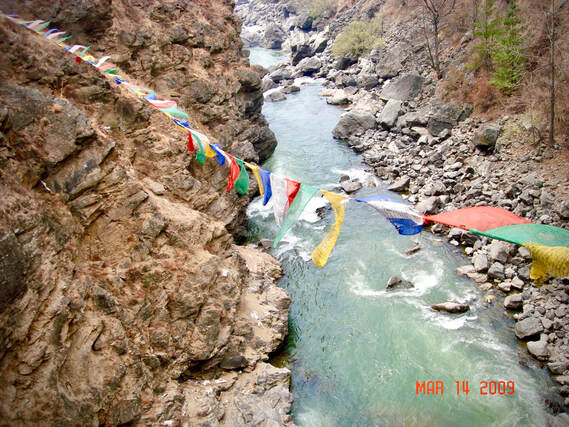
<point x="438" y="158"/>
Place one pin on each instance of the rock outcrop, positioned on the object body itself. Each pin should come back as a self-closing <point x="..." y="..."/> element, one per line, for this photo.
<point x="124" y="296"/>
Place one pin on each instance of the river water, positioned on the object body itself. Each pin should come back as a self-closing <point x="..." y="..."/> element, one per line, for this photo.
<point x="356" y="352"/>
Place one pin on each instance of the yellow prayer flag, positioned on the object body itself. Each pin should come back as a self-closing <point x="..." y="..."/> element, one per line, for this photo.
<point x="255" y="170"/>
<point x="322" y="252"/>
<point x="548" y="260"/>
<point x="209" y="151"/>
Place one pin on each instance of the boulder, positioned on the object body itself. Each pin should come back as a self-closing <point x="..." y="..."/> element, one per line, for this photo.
<point x="480" y="262"/>
<point x="445" y="116"/>
<point x="513" y="302"/>
<point x="539" y="348"/>
<point x="528" y="327"/>
<point x="396" y="282"/>
<point x="275" y="96"/>
<point x="499" y="251"/>
<point x="405" y="87"/>
<point x="354" y="123"/>
<point x="299" y="45"/>
<point x="339" y="97"/>
<point x="367" y="81"/>
<point x="388" y="69"/>
<point x="267" y="83"/>
<point x="319" y="41"/>
<point x="429" y="205"/>
<point x="351" y="186"/>
<point x="451" y="307"/>
<point x="496" y="271"/>
<point x="390" y="112"/>
<point x="273" y="37"/>
<point x="401" y="185"/>
<point x="280" y="74"/>
<point x="290" y="89"/>
<point x="485" y="136"/>
<point x="309" y="66"/>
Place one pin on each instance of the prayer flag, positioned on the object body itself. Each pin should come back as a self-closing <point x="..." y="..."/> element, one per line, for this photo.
<point x="255" y="170"/>
<point x="303" y="196"/>
<point x="200" y="155"/>
<point x="218" y="154"/>
<point x="234" y="171"/>
<point x="266" y="180"/>
<point x="322" y="252"/>
<point x="242" y="182"/>
<point x="284" y="190"/>
<point x="548" y="260"/>
<point x="403" y="217"/>
<point x="546" y="235"/>
<point x="481" y="218"/>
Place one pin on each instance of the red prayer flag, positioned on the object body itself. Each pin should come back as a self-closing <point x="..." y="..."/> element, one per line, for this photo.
<point x="190" y="142"/>
<point x="234" y="171"/>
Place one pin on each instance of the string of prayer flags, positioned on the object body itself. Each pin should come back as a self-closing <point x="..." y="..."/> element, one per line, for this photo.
<point x="301" y="199"/>
<point x="548" y="245"/>
<point x="322" y="252"/>
<point x="548" y="261"/>
<point x="404" y="218"/>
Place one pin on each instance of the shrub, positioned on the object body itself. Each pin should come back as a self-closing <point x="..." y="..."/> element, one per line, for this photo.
<point x="357" y="38"/>
<point x="321" y="8"/>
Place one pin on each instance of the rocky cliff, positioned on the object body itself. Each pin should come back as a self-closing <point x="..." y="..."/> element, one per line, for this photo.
<point x="124" y="298"/>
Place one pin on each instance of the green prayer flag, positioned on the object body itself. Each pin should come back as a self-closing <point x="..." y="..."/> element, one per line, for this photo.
<point x="173" y="111"/>
<point x="542" y="234"/>
<point x="304" y="195"/>
<point x="200" y="155"/>
<point x="242" y="181"/>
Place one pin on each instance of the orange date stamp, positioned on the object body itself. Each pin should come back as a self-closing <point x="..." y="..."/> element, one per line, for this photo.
<point x="487" y="388"/>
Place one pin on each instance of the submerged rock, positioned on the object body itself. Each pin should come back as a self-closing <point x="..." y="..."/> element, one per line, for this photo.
<point x="396" y="282"/>
<point x="451" y="307"/>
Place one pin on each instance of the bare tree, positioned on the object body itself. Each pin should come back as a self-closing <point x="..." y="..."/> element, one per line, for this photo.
<point x="551" y="35"/>
<point x="435" y="12"/>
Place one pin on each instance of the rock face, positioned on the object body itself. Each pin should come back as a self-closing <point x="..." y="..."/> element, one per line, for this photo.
<point x="124" y="297"/>
<point x="405" y="87"/>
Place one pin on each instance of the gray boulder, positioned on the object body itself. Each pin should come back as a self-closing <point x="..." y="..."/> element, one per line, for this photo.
<point x="429" y="205"/>
<point x="388" y="69"/>
<point x="485" y="136"/>
<point x="273" y="37"/>
<point x="451" y="307"/>
<point x="275" y="96"/>
<point x="513" y="302"/>
<point x="280" y="74"/>
<point x="309" y="66"/>
<point x="496" y="271"/>
<point x="498" y="251"/>
<point x="401" y="185"/>
<point x="445" y="116"/>
<point x="405" y="87"/>
<point x="354" y="123"/>
<point x="480" y="262"/>
<point x="528" y="327"/>
<point x="351" y="186"/>
<point x="395" y="282"/>
<point x="539" y="348"/>
<point x="390" y="113"/>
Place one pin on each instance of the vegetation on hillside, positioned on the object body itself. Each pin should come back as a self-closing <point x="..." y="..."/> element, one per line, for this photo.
<point x="357" y="38"/>
<point x="518" y="61"/>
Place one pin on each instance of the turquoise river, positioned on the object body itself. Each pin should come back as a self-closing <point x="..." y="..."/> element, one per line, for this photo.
<point x="356" y="352"/>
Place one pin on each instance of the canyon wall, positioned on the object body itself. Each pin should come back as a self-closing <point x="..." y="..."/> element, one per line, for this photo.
<point x="124" y="296"/>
